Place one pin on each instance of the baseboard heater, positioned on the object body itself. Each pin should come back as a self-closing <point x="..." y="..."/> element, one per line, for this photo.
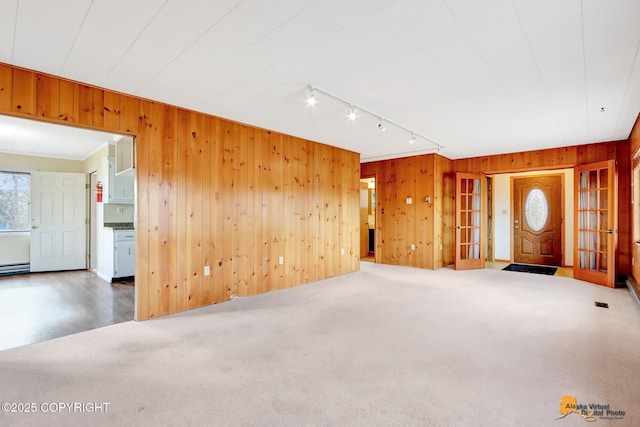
<point x="14" y="269"/>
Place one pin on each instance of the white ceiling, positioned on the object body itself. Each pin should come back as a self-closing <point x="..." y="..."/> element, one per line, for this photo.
<point x="478" y="77"/>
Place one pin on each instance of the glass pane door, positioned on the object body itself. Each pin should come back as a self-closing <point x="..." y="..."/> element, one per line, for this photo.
<point x="595" y="223"/>
<point x="469" y="227"/>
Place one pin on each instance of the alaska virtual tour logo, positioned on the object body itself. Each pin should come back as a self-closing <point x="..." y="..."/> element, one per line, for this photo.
<point x="589" y="412"/>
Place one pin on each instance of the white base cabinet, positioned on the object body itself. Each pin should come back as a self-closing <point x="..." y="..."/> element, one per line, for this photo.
<point x="118" y="254"/>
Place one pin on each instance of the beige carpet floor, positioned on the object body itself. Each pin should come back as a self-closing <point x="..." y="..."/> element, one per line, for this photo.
<point x="386" y="346"/>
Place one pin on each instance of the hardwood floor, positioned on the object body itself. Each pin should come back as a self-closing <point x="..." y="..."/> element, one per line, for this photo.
<point x="42" y="306"/>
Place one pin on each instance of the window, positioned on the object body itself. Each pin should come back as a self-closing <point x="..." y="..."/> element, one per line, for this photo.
<point x="15" y="201"/>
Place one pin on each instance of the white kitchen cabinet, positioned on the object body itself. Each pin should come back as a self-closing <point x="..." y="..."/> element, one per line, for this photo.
<point x="125" y="156"/>
<point x="117" y="188"/>
<point x="118" y="254"/>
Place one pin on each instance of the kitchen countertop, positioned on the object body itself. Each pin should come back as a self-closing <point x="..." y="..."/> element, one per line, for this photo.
<point x="119" y="225"/>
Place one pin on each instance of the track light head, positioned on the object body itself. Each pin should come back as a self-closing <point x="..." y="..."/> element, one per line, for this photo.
<point x="311" y="99"/>
<point x="381" y="126"/>
<point x="352" y="113"/>
<point x="412" y="139"/>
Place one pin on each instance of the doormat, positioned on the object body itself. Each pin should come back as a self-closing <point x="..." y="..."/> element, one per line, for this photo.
<point x="537" y="269"/>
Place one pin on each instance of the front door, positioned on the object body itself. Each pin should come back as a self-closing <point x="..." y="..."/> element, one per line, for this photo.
<point x="58" y="213"/>
<point x="595" y="223"/>
<point x="470" y="212"/>
<point x="537" y="220"/>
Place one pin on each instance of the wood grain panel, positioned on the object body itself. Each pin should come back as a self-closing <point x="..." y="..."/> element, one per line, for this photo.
<point x="215" y="256"/>
<point x="163" y="292"/>
<point x="426" y="221"/>
<point x="190" y="195"/>
<point x="48" y="96"/>
<point x="317" y="217"/>
<point x="207" y="204"/>
<point x="255" y="284"/>
<point x="24" y="92"/>
<point x="98" y="108"/>
<point x="183" y="269"/>
<point x="6" y="88"/>
<point x="83" y="104"/>
<point x="128" y="120"/>
<point x="229" y="210"/>
<point x="244" y="232"/>
<point x="111" y="110"/>
<point x="289" y="211"/>
<point x="199" y="187"/>
<point x="69" y="105"/>
<point x="272" y="211"/>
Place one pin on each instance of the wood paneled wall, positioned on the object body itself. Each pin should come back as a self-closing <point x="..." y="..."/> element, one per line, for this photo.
<point x="423" y="224"/>
<point x="416" y="176"/>
<point x="212" y="192"/>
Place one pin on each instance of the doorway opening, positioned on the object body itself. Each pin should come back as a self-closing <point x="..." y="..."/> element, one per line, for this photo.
<point x="62" y="246"/>
<point x="368" y="219"/>
<point x="531" y="218"/>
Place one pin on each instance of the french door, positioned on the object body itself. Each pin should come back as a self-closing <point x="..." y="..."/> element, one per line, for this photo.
<point x="470" y="212"/>
<point x="596" y="223"/>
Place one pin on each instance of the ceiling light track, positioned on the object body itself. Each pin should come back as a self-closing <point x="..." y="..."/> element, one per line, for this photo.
<point x="382" y="122"/>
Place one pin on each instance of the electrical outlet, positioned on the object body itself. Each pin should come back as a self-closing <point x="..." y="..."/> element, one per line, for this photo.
<point x="207" y="270"/>
<point x="342" y="251"/>
<point x="119" y="209"/>
<point x="281" y="260"/>
<point x="413" y="247"/>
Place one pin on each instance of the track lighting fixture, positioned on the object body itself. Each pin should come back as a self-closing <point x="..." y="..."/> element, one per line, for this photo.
<point x="382" y="122"/>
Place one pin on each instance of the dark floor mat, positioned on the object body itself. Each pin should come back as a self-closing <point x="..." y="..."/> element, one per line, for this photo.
<point x="537" y="269"/>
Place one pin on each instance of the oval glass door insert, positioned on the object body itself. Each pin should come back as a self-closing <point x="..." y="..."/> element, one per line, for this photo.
<point x="536" y="211"/>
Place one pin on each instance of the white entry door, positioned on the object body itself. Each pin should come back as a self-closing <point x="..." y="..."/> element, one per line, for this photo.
<point x="58" y="221"/>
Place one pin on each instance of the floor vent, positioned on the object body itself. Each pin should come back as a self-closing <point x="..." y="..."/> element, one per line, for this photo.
<point x="602" y="304"/>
